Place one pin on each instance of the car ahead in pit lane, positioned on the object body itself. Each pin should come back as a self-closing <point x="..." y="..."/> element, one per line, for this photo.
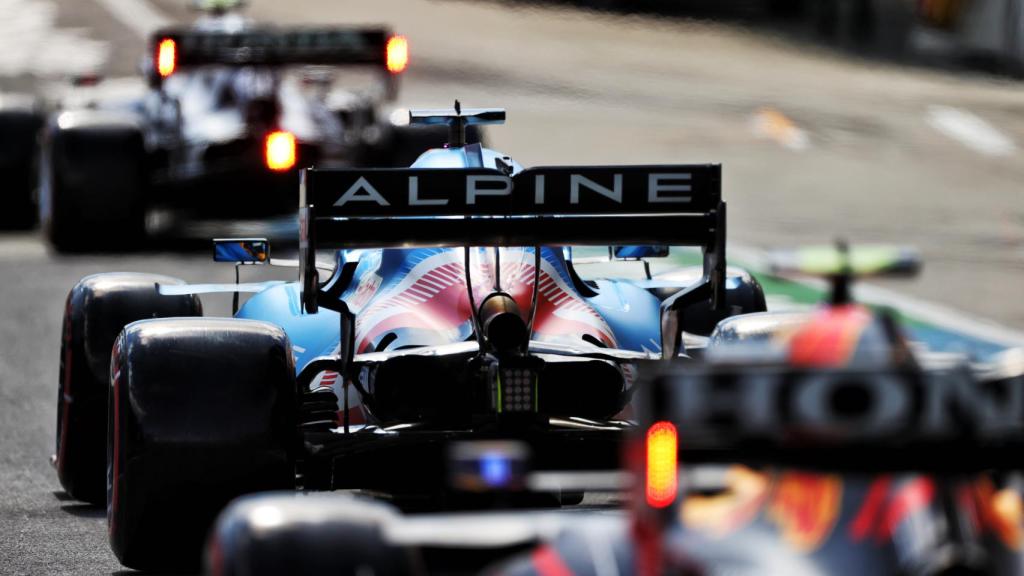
<point x="228" y="113"/>
<point x="836" y="453"/>
<point x="363" y="380"/>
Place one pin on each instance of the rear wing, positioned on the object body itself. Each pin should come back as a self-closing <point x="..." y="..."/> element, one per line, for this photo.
<point x="851" y="419"/>
<point x="593" y="205"/>
<point x="179" y="47"/>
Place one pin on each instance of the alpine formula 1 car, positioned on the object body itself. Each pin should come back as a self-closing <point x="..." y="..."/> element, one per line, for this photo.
<point x="228" y="113"/>
<point x="426" y="327"/>
<point x="844" y="455"/>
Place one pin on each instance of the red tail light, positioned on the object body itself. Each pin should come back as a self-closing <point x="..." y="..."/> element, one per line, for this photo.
<point x="280" y="151"/>
<point x="661" y="483"/>
<point x="166" y="57"/>
<point x="397" y="54"/>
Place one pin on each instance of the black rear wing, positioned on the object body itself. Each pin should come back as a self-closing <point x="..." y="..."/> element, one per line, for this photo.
<point x="850" y="419"/>
<point x="180" y="47"/>
<point x="592" y="205"/>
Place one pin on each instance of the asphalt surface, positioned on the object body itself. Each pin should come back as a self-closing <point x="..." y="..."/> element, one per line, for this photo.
<point x="814" y="144"/>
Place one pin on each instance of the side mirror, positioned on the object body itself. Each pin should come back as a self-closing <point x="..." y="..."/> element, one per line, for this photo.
<point x="640" y="252"/>
<point x="241" y="250"/>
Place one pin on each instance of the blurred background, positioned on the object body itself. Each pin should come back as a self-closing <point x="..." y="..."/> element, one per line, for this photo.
<point x="872" y="120"/>
<point x="875" y="120"/>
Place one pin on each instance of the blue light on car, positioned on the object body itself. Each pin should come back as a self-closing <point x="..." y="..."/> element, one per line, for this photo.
<point x="495" y="469"/>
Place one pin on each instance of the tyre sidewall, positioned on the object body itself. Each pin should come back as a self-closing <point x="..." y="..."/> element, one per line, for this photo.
<point x="95" y="189"/>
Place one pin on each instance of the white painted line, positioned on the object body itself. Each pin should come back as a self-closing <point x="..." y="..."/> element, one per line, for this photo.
<point x="930" y="312"/>
<point x="970" y="130"/>
<point x="138" y="15"/>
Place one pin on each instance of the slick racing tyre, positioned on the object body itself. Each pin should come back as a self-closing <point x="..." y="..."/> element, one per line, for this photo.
<point x="200" y="411"/>
<point x="271" y="534"/>
<point x="97" y="308"/>
<point x="20" y="125"/>
<point x="743" y="295"/>
<point x="93" y="182"/>
<point x="850" y="23"/>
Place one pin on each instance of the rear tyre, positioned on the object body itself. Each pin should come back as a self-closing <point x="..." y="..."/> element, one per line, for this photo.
<point x="201" y="411"/>
<point x="93" y="187"/>
<point x="785" y="8"/>
<point x="847" y="23"/>
<point x="19" y="135"/>
<point x="96" y="310"/>
<point x="744" y="296"/>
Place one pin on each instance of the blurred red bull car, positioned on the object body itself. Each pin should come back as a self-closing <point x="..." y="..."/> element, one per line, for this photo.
<point x="812" y="462"/>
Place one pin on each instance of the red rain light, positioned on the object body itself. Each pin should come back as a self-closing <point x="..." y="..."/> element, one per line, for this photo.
<point x="166" y="57"/>
<point x="280" y="151"/>
<point x="397" y="54"/>
<point x="662" y="467"/>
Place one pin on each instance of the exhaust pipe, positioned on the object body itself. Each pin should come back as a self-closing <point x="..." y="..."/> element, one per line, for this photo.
<point x="502" y="324"/>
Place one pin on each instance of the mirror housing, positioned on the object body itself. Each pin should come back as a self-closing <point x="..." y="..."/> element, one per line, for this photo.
<point x="640" y="252"/>
<point x="241" y="250"/>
